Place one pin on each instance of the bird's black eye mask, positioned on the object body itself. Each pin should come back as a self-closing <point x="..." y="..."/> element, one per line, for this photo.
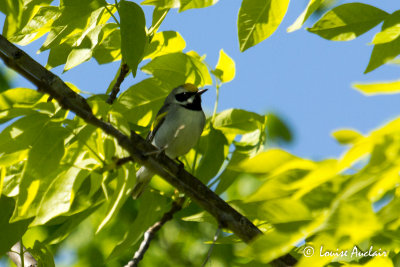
<point x="182" y="97"/>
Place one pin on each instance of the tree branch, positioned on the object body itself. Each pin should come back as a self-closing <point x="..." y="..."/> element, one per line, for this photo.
<point x="150" y="233"/>
<point x="15" y="255"/>
<point x="165" y="167"/>
<point x="124" y="70"/>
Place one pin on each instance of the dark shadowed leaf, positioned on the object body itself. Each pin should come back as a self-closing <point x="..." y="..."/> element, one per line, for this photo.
<point x="133" y="34"/>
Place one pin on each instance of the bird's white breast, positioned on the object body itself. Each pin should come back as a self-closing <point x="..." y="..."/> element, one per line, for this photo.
<point x="180" y="131"/>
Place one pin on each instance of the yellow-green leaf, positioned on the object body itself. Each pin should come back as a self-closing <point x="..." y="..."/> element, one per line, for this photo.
<point x="346" y="136"/>
<point x="164" y="43"/>
<point x="385" y="52"/>
<point x="347" y="21"/>
<point x="258" y="19"/>
<point x="311" y="7"/>
<point x="225" y="69"/>
<point x="391" y="87"/>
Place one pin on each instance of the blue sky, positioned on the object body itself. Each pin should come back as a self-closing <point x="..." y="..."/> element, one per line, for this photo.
<point x="300" y="76"/>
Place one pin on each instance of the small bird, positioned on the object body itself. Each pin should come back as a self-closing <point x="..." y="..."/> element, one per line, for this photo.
<point x="176" y="128"/>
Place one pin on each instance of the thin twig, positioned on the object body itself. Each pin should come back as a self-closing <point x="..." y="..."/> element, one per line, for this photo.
<point x="150" y="233"/>
<point x="123" y="72"/>
<point x="112" y="15"/>
<point x="122" y="161"/>
<point x="212" y="246"/>
<point x="21" y="257"/>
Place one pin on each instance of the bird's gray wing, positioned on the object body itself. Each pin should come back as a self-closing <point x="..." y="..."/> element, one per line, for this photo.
<point x="160" y="118"/>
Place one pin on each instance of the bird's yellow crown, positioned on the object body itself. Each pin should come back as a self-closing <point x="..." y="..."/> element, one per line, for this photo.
<point x="190" y="87"/>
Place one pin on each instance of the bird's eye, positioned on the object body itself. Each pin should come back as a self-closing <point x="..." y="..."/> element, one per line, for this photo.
<point x="182" y="96"/>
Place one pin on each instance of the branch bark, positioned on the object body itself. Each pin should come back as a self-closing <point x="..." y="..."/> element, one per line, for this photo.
<point x="124" y="70"/>
<point x="165" y="167"/>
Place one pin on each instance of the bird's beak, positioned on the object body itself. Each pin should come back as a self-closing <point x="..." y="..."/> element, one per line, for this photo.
<point x="200" y="92"/>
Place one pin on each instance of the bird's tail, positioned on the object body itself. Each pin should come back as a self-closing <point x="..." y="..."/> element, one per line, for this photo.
<point x="143" y="177"/>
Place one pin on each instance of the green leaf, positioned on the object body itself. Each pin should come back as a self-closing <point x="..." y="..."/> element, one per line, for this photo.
<point x="225" y="69"/>
<point x="109" y="48"/>
<point x="19" y="97"/>
<point x="354" y="219"/>
<point x="162" y="3"/>
<point x="164" y="43"/>
<point x="348" y="21"/>
<point x="42" y="254"/>
<point x="22" y="133"/>
<point x="139" y="103"/>
<point x="181" y="4"/>
<point x="258" y="19"/>
<point x="391" y="31"/>
<point x="58" y="196"/>
<point x="125" y="182"/>
<point x="272" y="160"/>
<point x="72" y="22"/>
<point x="189" y="4"/>
<point x="211" y="163"/>
<point x="153" y="206"/>
<point x="312" y="6"/>
<point x="385" y="52"/>
<point x="346" y="136"/>
<point x="277" y="129"/>
<point x="238" y="121"/>
<point x="10" y="232"/>
<point x="159" y="15"/>
<point x="43" y="160"/>
<point x="77" y="56"/>
<point x="276" y="211"/>
<point x="274" y="243"/>
<point x="377" y="88"/>
<point x="37" y="26"/>
<point x="177" y="68"/>
<point x="133" y="34"/>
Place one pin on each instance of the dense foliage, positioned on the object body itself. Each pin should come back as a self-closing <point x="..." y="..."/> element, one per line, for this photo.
<point x="64" y="195"/>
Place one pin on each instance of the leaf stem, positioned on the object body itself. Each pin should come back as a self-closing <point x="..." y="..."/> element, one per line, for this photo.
<point x="112" y="15"/>
<point x="157" y="25"/>
<point x="21" y="253"/>
<point x="216" y="102"/>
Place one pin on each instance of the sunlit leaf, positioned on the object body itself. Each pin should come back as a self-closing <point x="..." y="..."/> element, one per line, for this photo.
<point x="181" y="4"/>
<point x="312" y="6"/>
<point x="164" y="43"/>
<point x="258" y="19"/>
<point x="376" y="88"/>
<point x="139" y="103"/>
<point x="238" y="121"/>
<point x="43" y="159"/>
<point x="347" y="21"/>
<point x="177" y="68"/>
<point x="346" y="136"/>
<point x="225" y="69"/>
<point x="391" y="31"/>
<point x="58" y="197"/>
<point x="385" y="52"/>
<point x="189" y="4"/>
